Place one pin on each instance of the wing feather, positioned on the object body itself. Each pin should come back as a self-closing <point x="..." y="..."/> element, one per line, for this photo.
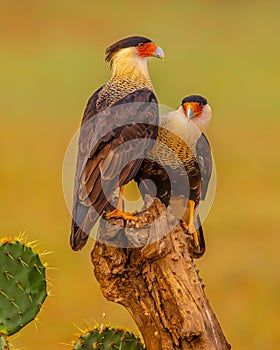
<point x="204" y="159"/>
<point x="113" y="141"/>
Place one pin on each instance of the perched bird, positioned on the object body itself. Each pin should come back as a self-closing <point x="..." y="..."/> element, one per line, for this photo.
<point x="119" y="122"/>
<point x="179" y="166"/>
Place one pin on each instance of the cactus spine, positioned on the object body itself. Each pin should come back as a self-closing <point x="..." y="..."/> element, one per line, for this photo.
<point x="4" y="345"/>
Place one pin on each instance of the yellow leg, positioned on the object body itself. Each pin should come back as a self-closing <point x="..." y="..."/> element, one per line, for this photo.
<point x="190" y="225"/>
<point x="118" y="212"/>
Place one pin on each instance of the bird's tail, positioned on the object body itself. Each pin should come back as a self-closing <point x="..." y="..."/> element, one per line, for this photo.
<point x="82" y="223"/>
<point x="198" y="251"/>
<point x="78" y="237"/>
<point x="83" y="220"/>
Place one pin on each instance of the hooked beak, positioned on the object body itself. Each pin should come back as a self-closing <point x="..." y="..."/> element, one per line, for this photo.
<point x="190" y="113"/>
<point x="159" y="53"/>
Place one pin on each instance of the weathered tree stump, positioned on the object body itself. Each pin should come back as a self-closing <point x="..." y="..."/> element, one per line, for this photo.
<point x="156" y="280"/>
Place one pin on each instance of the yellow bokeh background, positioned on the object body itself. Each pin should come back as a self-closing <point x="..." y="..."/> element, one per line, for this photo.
<point x="52" y="59"/>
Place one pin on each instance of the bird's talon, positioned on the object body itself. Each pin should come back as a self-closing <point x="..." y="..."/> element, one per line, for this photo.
<point x="191" y="229"/>
<point x="185" y="225"/>
<point x="195" y="239"/>
<point x="119" y="214"/>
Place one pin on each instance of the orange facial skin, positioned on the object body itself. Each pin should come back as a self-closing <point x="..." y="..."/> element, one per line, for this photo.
<point x="146" y="49"/>
<point x="196" y="107"/>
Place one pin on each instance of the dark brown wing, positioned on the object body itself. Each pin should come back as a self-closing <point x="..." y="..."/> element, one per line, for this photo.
<point x="204" y="162"/>
<point x="204" y="159"/>
<point x="112" y="144"/>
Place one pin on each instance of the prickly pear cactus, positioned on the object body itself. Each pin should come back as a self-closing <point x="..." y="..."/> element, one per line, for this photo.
<point x="4" y="345"/>
<point x="108" y="338"/>
<point x="22" y="285"/>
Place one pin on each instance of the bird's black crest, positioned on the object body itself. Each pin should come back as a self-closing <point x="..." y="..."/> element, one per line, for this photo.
<point x="123" y="43"/>
<point x="195" y="98"/>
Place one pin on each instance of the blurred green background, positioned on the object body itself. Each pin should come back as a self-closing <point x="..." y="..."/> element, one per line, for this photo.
<point x="52" y="59"/>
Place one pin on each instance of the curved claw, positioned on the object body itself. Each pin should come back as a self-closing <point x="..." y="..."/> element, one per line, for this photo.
<point x="184" y="225"/>
<point x="191" y="229"/>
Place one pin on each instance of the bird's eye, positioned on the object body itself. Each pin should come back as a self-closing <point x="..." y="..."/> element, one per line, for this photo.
<point x="141" y="45"/>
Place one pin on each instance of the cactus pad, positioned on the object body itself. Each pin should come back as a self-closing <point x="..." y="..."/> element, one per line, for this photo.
<point x="108" y="338"/>
<point x="22" y="285"/>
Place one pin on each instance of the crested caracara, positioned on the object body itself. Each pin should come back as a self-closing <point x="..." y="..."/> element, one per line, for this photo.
<point x="179" y="166"/>
<point x="122" y="111"/>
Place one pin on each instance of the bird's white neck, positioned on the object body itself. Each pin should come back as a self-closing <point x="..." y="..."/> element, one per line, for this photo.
<point x="189" y="131"/>
<point x="126" y="63"/>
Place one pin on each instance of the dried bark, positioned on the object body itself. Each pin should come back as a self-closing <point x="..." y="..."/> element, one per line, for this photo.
<point x="156" y="280"/>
